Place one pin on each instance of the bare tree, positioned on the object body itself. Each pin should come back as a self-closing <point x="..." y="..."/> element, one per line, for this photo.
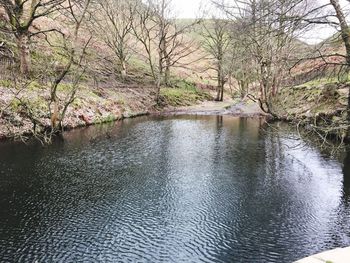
<point x="113" y="24"/>
<point x="217" y="41"/>
<point x="75" y="52"/>
<point x="70" y="68"/>
<point x="268" y="31"/>
<point x="20" y="17"/>
<point x="164" y="40"/>
<point x="144" y="29"/>
<point x="332" y="14"/>
<point x="242" y="67"/>
<point x="344" y="28"/>
<point x="173" y="45"/>
<point x="345" y="34"/>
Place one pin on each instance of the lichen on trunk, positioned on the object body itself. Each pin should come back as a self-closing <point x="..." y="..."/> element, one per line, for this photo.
<point x="24" y="53"/>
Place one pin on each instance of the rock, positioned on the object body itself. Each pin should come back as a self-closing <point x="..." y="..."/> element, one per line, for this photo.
<point x="85" y="119"/>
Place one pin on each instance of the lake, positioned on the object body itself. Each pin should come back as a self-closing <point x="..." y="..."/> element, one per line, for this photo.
<point x="172" y="189"/>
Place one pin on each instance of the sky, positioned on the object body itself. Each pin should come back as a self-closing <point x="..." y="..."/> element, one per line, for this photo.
<point x="193" y="9"/>
<point x="187" y="8"/>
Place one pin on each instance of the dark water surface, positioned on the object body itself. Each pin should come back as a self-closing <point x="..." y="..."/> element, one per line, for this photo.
<point x="176" y="189"/>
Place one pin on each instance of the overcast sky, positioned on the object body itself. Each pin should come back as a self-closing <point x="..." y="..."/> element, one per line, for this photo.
<point x="187" y="8"/>
<point x="192" y="9"/>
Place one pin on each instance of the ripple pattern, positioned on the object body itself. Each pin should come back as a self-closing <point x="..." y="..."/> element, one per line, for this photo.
<point x="181" y="189"/>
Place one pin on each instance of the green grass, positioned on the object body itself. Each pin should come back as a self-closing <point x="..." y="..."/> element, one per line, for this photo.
<point x="106" y="119"/>
<point x="323" y="81"/>
<point x="34" y="85"/>
<point x="64" y="87"/>
<point x="77" y="103"/>
<point x="5" y="83"/>
<point x="15" y="104"/>
<point x="184" y="94"/>
<point x="183" y="84"/>
<point x="138" y="65"/>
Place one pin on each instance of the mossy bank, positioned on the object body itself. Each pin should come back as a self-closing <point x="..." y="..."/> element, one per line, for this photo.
<point x="319" y="105"/>
<point x="20" y="108"/>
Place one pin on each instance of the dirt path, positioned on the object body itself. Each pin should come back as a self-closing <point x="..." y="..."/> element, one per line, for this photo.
<point x="239" y="108"/>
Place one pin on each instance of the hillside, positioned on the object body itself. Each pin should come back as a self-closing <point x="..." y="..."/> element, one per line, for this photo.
<point x="103" y="94"/>
<point x="100" y="88"/>
<point x="319" y="61"/>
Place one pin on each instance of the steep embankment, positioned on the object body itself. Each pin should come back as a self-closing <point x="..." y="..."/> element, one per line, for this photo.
<point x="319" y="106"/>
<point x="23" y="108"/>
<point x="103" y="94"/>
<point x="316" y="92"/>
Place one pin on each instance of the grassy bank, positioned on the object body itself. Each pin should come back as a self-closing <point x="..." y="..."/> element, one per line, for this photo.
<point x="183" y="94"/>
<point x="319" y="105"/>
<point x="21" y="109"/>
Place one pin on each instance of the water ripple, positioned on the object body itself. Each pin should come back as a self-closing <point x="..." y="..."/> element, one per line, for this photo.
<point x="183" y="189"/>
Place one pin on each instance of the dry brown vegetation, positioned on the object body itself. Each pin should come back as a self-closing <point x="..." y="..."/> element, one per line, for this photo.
<point x="66" y="63"/>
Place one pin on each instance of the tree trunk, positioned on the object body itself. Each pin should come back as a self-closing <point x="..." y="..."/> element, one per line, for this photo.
<point x="167" y="73"/>
<point x="159" y="78"/>
<point x="161" y="63"/>
<point x="264" y="81"/>
<point x="220" y="83"/>
<point x="246" y="88"/>
<point x="348" y="118"/>
<point x="218" y="88"/>
<point x="345" y="34"/>
<point x="242" y="87"/>
<point x="158" y="85"/>
<point x="222" y="92"/>
<point x="123" y="70"/>
<point x="346" y="180"/>
<point x="274" y="86"/>
<point x="24" y="53"/>
<point x="55" y="119"/>
<point x="218" y="94"/>
<point x="345" y="30"/>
